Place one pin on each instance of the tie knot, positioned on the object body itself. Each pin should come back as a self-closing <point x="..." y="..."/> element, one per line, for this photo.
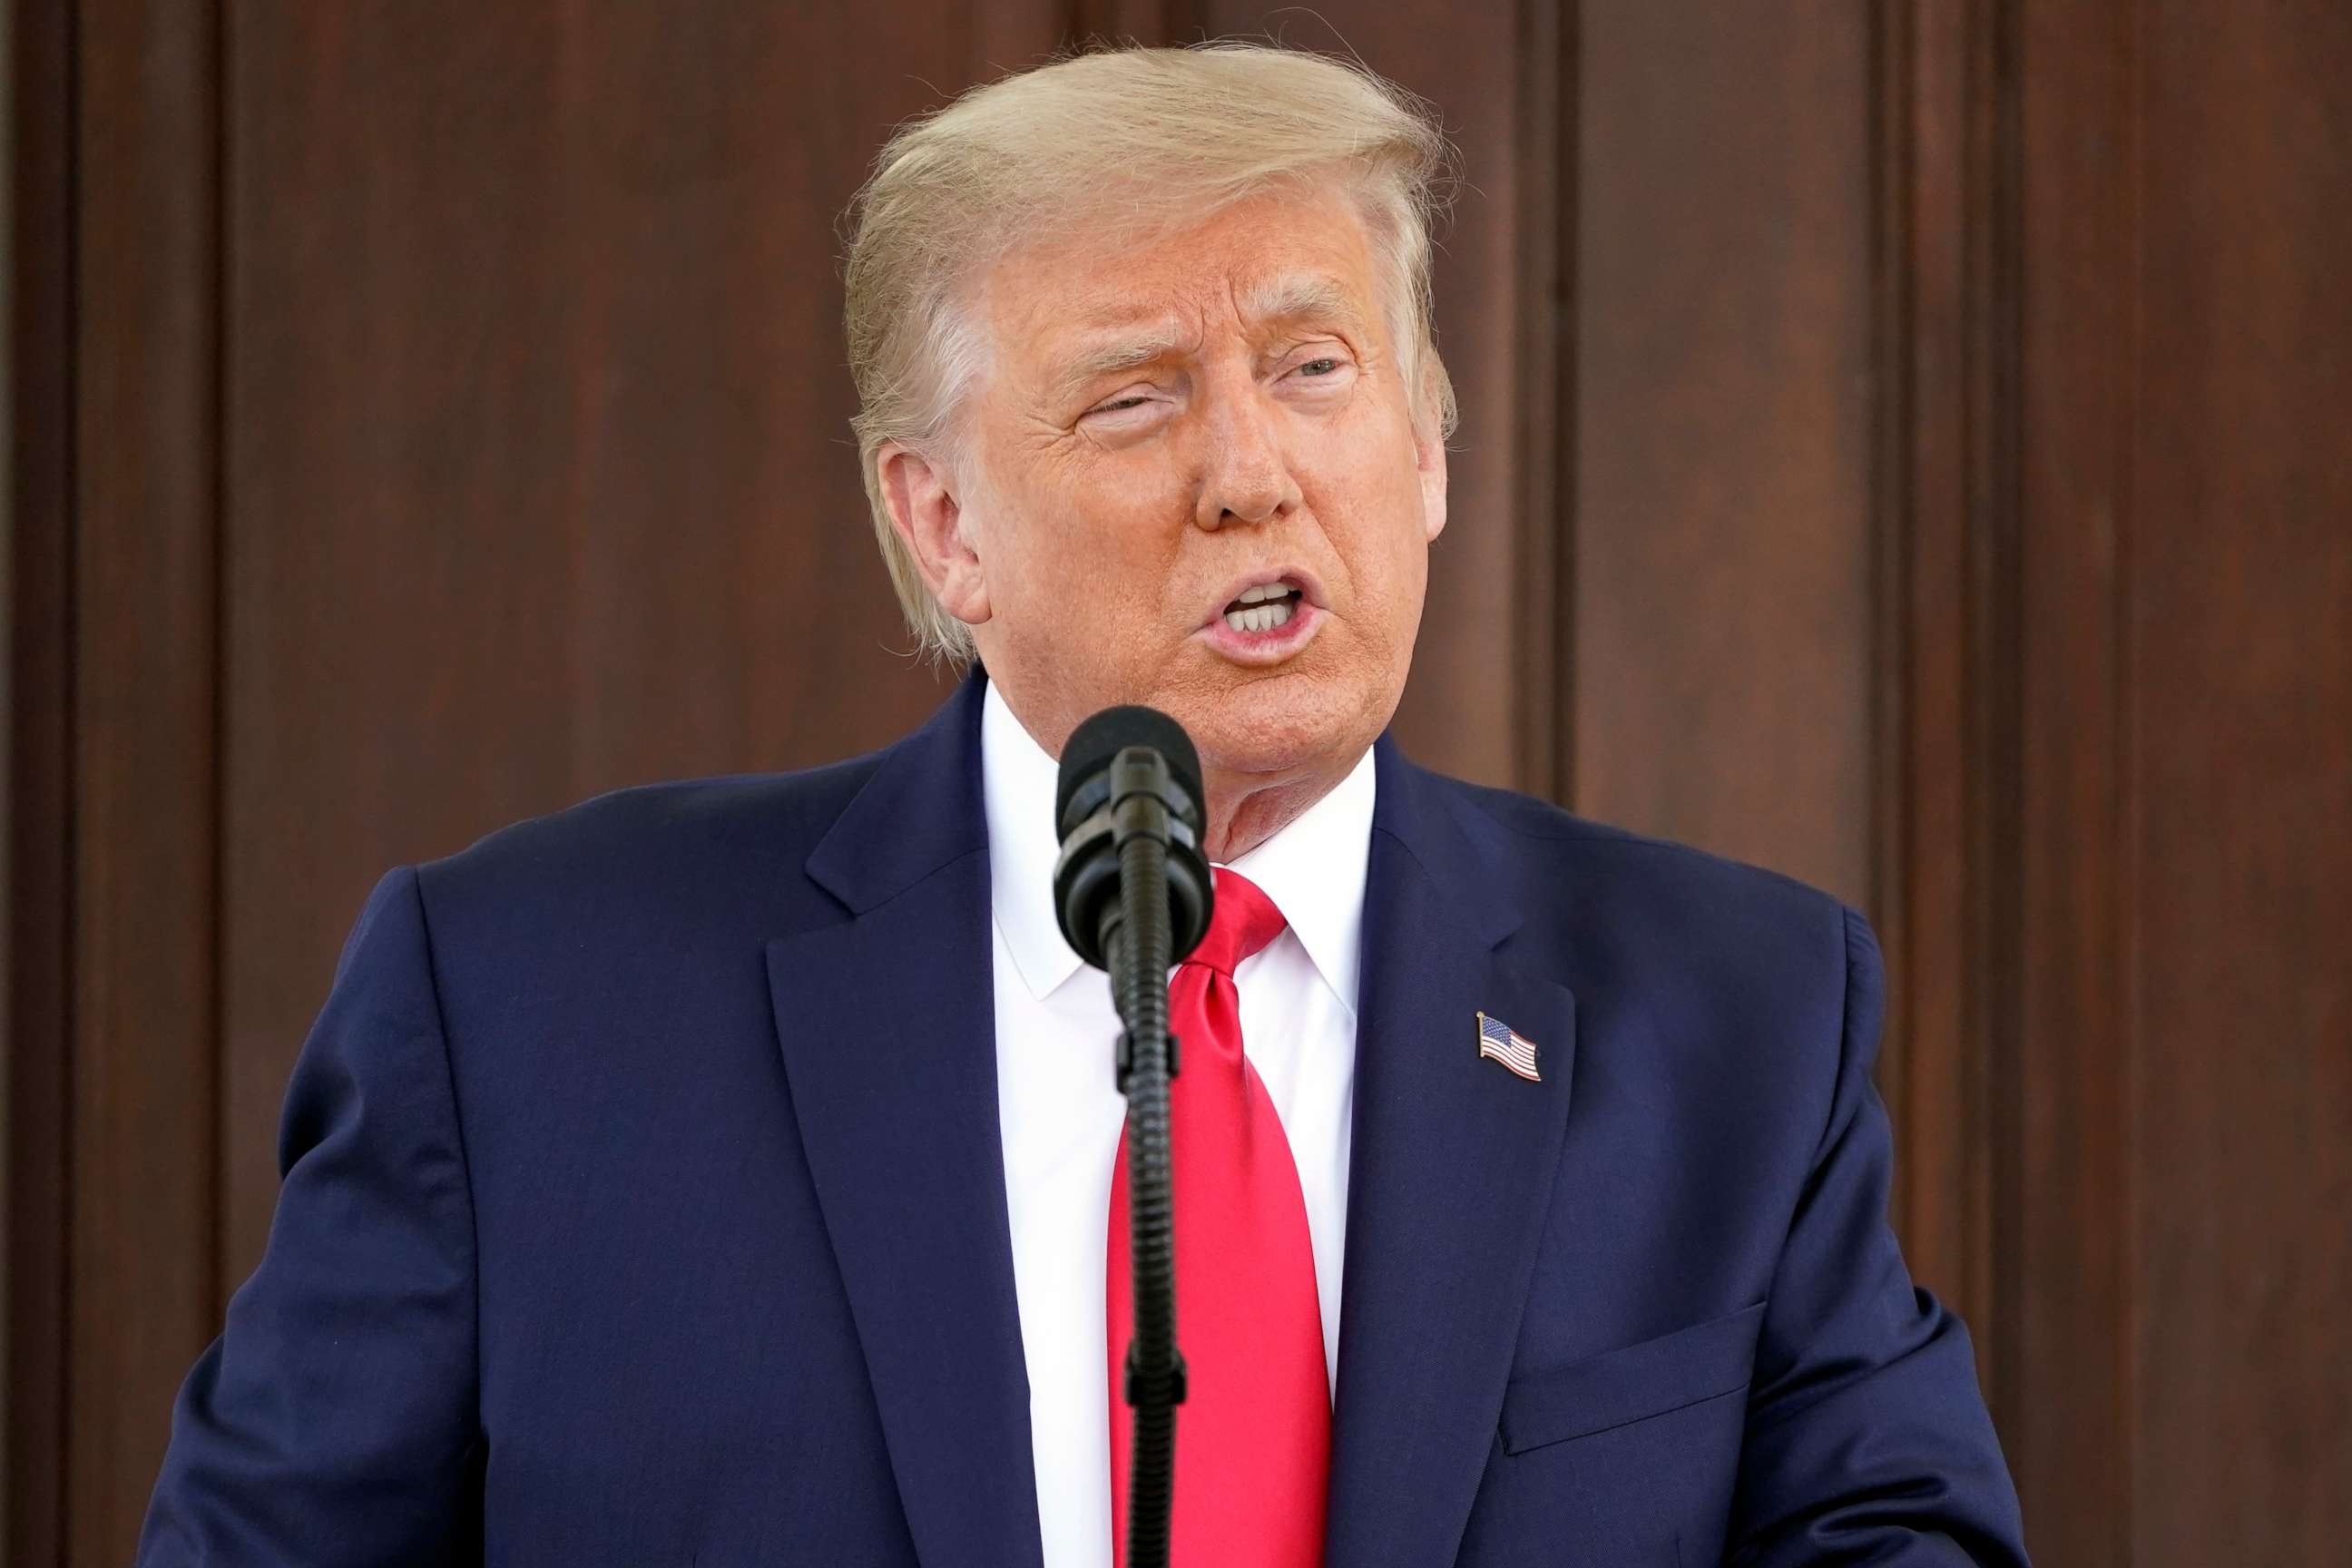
<point x="1245" y="922"/>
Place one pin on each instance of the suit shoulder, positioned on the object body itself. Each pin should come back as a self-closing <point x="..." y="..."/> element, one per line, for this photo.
<point x="1737" y="973"/>
<point x="1702" y="929"/>
<point x="1621" y="864"/>
<point x="689" y="836"/>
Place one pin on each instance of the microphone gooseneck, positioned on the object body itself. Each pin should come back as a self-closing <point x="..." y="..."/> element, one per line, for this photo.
<point x="1133" y="893"/>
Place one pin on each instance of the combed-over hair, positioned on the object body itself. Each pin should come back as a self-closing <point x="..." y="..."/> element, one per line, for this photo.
<point x="1144" y="136"/>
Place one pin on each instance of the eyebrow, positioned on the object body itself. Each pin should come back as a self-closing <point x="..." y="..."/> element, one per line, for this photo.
<point x="1302" y="297"/>
<point x="1291" y="297"/>
<point x="1113" y="359"/>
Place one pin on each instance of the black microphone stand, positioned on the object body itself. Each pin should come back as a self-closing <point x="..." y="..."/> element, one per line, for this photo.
<point x="1138" y="947"/>
<point x="1137" y="943"/>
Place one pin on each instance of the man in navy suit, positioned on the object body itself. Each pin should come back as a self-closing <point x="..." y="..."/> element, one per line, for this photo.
<point x="723" y="1172"/>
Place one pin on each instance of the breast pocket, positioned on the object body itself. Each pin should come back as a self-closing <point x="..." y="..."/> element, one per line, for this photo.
<point x="1625" y="1458"/>
<point x="1637" y="1383"/>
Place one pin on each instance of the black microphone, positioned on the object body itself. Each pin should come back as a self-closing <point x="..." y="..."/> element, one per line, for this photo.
<point x="1133" y="892"/>
<point x="1129" y="773"/>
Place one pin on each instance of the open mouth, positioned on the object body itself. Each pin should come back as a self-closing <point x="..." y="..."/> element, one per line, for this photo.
<point x="1266" y="609"/>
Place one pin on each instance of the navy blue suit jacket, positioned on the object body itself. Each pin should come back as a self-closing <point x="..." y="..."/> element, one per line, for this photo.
<point x="642" y="1204"/>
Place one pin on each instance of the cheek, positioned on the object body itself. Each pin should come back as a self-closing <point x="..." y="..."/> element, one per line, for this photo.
<point x="1372" y="512"/>
<point x="1088" y="559"/>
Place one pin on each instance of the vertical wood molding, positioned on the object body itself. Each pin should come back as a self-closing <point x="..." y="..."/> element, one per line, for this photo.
<point x="144" y="1143"/>
<point x="2068" y="1314"/>
<point x="1543" y="435"/>
<point x="36" y="923"/>
<point x="2002" y="733"/>
<point x="1944" y="486"/>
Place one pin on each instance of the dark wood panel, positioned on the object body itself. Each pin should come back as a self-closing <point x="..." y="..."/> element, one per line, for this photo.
<point x="143" y="1144"/>
<point x="541" y="476"/>
<point x="2069" y="1320"/>
<point x="36" y="779"/>
<point x="1722" y="537"/>
<point x="1544" y="427"/>
<point x="2234" y="550"/>
<point x="1904" y="449"/>
<point x="1137" y="21"/>
<point x="1943" y="483"/>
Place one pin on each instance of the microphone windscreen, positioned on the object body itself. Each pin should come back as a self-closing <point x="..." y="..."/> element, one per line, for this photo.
<point x="1094" y="743"/>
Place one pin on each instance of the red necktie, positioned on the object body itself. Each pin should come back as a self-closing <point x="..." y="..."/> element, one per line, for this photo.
<point x="1254" y="1434"/>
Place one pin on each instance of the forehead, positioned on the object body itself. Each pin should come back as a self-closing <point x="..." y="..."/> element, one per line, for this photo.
<point x="1281" y="254"/>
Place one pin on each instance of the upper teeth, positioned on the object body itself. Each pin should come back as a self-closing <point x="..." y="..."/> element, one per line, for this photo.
<point x="1263" y="591"/>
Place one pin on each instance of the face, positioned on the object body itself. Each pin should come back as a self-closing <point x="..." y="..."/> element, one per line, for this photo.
<point x="1190" y="476"/>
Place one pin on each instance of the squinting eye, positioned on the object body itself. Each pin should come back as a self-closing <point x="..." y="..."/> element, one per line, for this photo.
<point x="1118" y="405"/>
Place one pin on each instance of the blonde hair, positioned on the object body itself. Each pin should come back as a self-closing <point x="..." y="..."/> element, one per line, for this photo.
<point x="1147" y="135"/>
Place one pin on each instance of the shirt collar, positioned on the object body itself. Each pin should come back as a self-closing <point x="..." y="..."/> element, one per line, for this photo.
<point x="1313" y="869"/>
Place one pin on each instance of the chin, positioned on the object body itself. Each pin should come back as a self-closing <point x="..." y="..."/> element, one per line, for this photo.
<point x="1279" y="723"/>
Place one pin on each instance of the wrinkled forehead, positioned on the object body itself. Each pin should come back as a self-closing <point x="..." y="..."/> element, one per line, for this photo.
<point x="1056" y="306"/>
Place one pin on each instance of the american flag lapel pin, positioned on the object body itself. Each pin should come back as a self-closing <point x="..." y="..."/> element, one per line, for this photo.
<point x="1507" y="1045"/>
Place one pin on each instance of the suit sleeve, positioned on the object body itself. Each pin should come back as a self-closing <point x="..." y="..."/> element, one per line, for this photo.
<point x="333" y="1422"/>
<point x="1867" y="1439"/>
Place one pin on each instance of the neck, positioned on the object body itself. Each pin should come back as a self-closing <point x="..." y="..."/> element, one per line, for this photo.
<point x="1245" y="810"/>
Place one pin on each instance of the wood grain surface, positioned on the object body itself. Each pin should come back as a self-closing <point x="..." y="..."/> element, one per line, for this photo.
<point x="1902" y="445"/>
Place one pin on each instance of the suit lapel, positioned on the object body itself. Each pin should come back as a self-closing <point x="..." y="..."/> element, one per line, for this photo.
<point x="885" y="1021"/>
<point x="1450" y="1176"/>
<point x="888" y="1027"/>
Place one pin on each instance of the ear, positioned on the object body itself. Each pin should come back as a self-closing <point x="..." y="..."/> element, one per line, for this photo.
<point x="919" y="493"/>
<point x="1428" y="457"/>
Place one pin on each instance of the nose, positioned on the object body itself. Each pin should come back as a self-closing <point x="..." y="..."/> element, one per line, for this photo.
<point x="1246" y="478"/>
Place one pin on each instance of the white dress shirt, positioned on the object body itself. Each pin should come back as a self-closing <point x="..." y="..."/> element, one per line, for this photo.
<point x="1059" y="1101"/>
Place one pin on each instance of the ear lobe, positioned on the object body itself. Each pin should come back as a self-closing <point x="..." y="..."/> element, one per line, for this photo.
<point x="916" y="491"/>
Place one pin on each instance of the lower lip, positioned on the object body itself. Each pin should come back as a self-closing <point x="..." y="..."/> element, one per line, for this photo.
<point x="1265" y="647"/>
